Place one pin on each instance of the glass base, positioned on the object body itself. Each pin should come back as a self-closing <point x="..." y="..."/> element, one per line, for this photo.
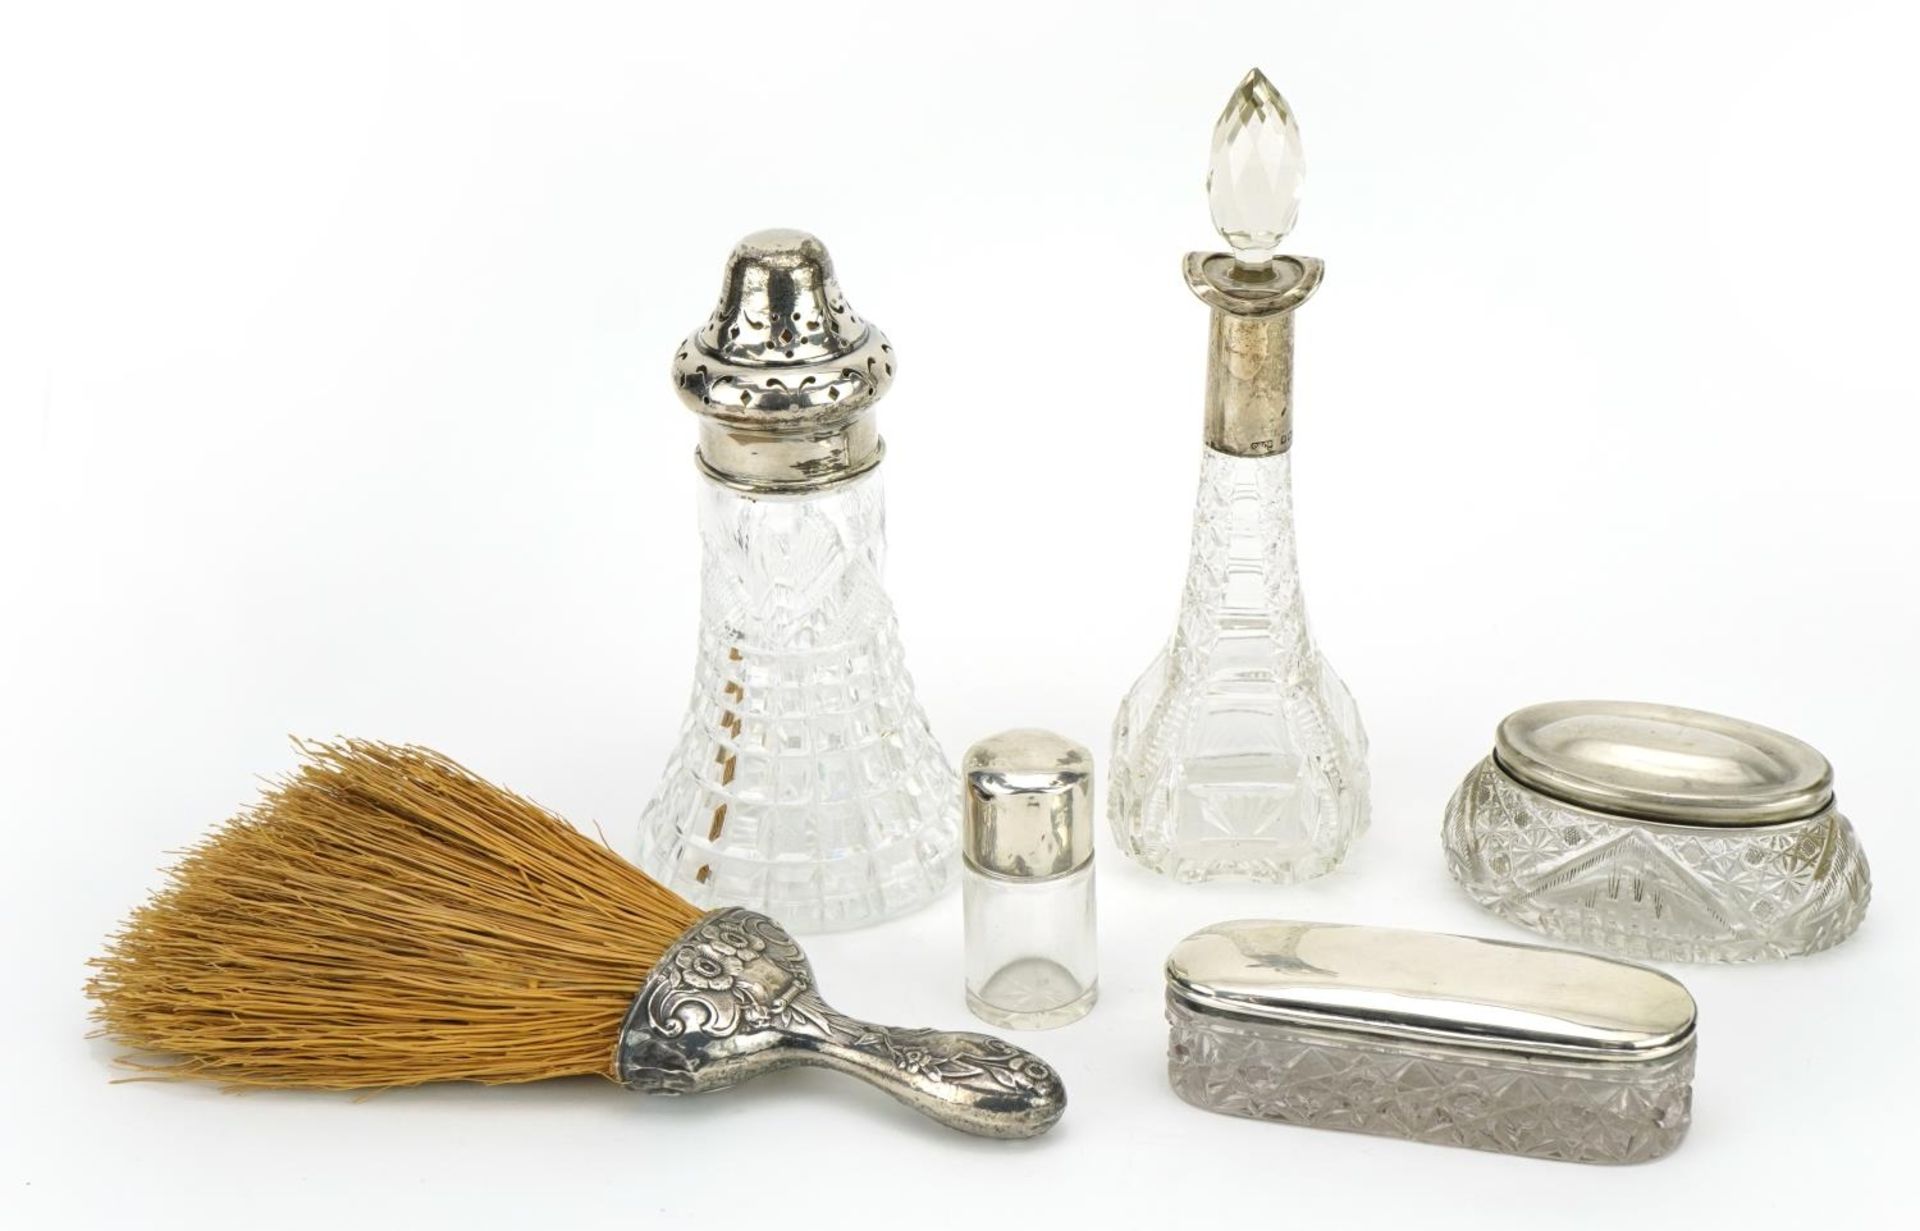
<point x="1028" y="995"/>
<point x="1612" y="1112"/>
<point x="1239" y="754"/>
<point x="1653" y="892"/>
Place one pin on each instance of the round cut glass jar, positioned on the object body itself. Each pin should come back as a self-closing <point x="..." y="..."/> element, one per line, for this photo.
<point x="1658" y="832"/>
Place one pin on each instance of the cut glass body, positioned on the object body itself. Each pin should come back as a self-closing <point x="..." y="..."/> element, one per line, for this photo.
<point x="1239" y="753"/>
<point x="806" y="783"/>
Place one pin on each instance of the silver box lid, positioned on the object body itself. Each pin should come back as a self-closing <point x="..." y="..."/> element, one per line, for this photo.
<point x="1432" y="987"/>
<point x="1655" y="762"/>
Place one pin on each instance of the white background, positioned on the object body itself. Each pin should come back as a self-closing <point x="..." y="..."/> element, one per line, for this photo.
<point x="334" y="345"/>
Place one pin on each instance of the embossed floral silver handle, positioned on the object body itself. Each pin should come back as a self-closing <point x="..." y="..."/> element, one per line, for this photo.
<point x="735" y="997"/>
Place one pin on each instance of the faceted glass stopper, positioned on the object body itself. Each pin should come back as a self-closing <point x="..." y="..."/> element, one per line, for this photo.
<point x="1257" y="172"/>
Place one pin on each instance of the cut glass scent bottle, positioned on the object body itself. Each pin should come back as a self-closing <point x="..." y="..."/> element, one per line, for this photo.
<point x="806" y="783"/>
<point x="1027" y="848"/>
<point x="1239" y="753"/>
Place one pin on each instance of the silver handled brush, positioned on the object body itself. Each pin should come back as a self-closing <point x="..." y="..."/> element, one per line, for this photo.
<point x="385" y="918"/>
<point x="734" y="997"/>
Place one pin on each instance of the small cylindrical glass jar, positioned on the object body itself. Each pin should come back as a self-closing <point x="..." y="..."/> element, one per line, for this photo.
<point x="1028" y="880"/>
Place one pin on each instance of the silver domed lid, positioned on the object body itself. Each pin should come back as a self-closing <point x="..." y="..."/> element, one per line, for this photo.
<point x="784" y="374"/>
<point x="1029" y="804"/>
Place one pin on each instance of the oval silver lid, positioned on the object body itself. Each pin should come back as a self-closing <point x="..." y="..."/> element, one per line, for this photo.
<point x="1663" y="763"/>
<point x="1432" y="987"/>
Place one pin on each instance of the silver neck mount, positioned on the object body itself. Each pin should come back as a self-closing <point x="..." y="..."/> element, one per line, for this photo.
<point x="1250" y="347"/>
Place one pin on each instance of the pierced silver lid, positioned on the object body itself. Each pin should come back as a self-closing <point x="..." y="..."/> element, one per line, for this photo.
<point x="1432" y="987"/>
<point x="1663" y="763"/>
<point x="784" y="374"/>
<point x="1029" y="797"/>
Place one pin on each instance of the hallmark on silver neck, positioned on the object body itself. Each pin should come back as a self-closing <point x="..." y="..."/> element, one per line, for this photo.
<point x="1254" y="184"/>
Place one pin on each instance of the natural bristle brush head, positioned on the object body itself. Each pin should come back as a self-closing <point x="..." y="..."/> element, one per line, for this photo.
<point x="383" y="917"/>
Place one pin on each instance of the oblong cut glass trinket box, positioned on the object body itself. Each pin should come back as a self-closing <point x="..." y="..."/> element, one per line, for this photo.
<point x="1452" y="1040"/>
<point x="1657" y="832"/>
